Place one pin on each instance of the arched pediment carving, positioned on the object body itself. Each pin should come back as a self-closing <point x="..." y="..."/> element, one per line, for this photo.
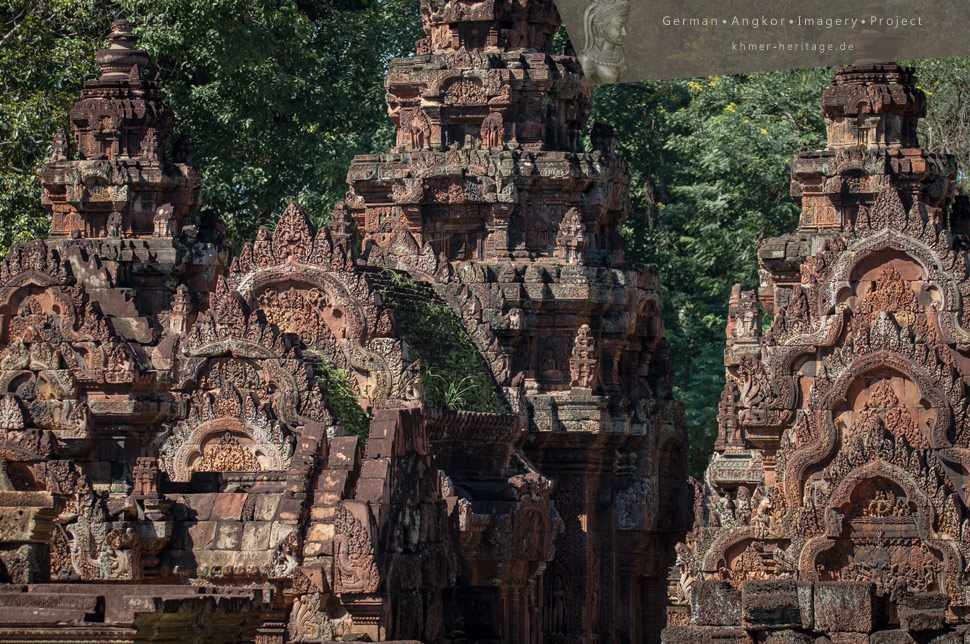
<point x="305" y="283"/>
<point x="295" y="297"/>
<point x="32" y="264"/>
<point x="879" y="528"/>
<point x="226" y="431"/>
<point x="829" y="431"/>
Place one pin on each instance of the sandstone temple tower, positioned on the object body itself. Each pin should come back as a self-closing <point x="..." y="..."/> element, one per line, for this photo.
<point x="836" y="502"/>
<point x="517" y="228"/>
<point x="178" y="457"/>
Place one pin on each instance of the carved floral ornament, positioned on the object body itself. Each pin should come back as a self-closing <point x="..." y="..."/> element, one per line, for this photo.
<point x="294" y="241"/>
<point x="867" y="507"/>
<point x="884" y="227"/>
<point x="894" y="419"/>
<point x="306" y="284"/>
<point x="229" y="432"/>
<point x="56" y="313"/>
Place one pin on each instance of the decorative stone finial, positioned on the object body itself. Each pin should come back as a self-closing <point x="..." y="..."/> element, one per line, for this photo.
<point x="123" y="119"/>
<point x="452" y="25"/>
<point x="118" y="60"/>
<point x="874" y="106"/>
<point x="61" y="148"/>
<point x="571" y="242"/>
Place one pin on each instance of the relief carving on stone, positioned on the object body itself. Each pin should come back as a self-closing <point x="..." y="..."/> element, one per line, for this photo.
<point x="227" y="431"/>
<point x="862" y="376"/>
<point x="355" y="569"/>
<point x="583" y="363"/>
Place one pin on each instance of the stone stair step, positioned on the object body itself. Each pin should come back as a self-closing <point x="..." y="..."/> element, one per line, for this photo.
<point x="77" y="601"/>
<point x="24" y="615"/>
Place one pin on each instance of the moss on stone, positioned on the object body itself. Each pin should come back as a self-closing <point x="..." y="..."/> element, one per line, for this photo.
<point x="343" y="398"/>
<point x="455" y="374"/>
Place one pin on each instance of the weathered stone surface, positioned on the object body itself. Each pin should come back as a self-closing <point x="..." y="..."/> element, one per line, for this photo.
<point x="704" y="635"/>
<point x="769" y="604"/>
<point x="849" y="638"/>
<point x="806" y="605"/>
<point x="844" y="606"/>
<point x="784" y="637"/>
<point x="921" y="612"/>
<point x="891" y="637"/>
<point x="952" y="637"/>
<point x="715" y="603"/>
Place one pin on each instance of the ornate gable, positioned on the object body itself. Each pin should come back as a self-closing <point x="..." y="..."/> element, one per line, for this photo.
<point x="853" y="403"/>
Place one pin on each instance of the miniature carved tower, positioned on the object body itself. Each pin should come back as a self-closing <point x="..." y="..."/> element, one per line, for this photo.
<point x="835" y="504"/>
<point x="123" y="173"/>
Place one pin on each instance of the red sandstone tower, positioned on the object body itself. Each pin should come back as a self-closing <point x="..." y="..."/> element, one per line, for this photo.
<point x="516" y="226"/>
<point x="173" y="454"/>
<point x="835" y="504"/>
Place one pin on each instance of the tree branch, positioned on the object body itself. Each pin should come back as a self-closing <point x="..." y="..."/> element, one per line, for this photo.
<point x="14" y="169"/>
<point x="18" y="22"/>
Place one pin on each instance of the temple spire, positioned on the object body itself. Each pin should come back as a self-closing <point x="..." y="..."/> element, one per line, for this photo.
<point x="451" y="25"/>
<point x="123" y="176"/>
<point x="121" y="56"/>
<point x="872" y="113"/>
<point x="873" y="105"/>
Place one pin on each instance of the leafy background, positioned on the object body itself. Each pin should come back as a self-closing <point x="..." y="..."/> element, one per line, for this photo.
<point x="278" y="96"/>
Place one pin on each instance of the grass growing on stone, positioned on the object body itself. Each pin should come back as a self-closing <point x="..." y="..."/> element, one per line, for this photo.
<point x="343" y="398"/>
<point x="455" y="375"/>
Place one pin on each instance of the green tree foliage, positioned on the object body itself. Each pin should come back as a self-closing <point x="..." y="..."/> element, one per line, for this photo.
<point x="343" y="397"/>
<point x="710" y="160"/>
<point x="45" y="52"/>
<point x="275" y="96"/>
<point x="946" y="82"/>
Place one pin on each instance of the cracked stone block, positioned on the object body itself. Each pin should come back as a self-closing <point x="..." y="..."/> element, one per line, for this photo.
<point x="769" y="604"/>
<point x="895" y="636"/>
<point x="923" y="612"/>
<point x="705" y="635"/>
<point x="785" y="637"/>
